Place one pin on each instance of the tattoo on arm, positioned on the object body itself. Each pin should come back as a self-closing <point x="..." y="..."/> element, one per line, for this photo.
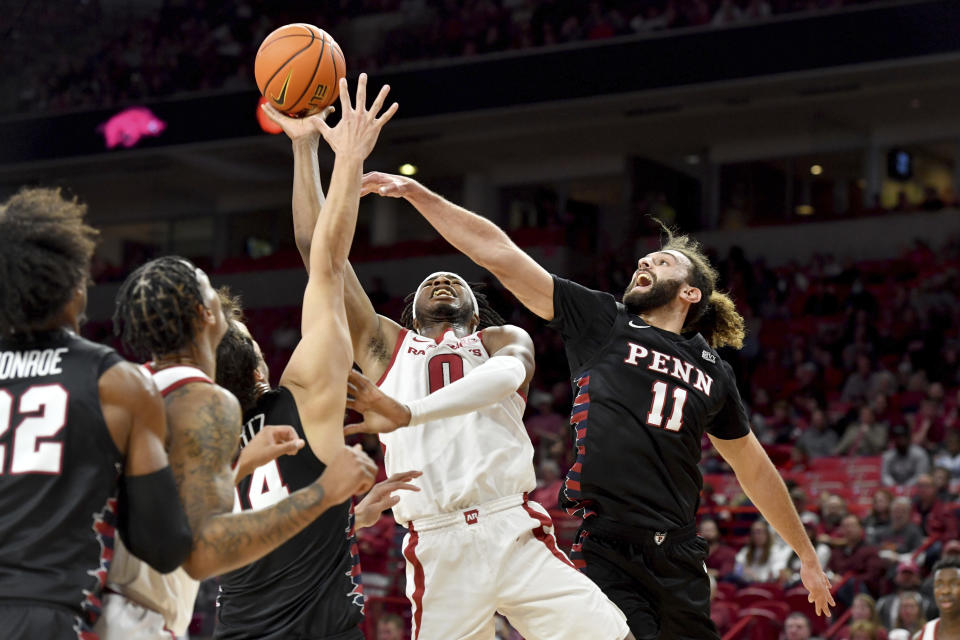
<point x="204" y="447"/>
<point x="205" y="439"/>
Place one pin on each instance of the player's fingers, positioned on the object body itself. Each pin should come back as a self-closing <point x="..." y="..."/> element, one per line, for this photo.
<point x="405" y="487"/>
<point x="362" y="92"/>
<point x="403" y="476"/>
<point x="326" y="113"/>
<point x="345" y="97"/>
<point x="381" y="98"/>
<point x="322" y="127"/>
<point x="385" y="118"/>
<point x="291" y="448"/>
<point x="356" y="428"/>
<point x="272" y="113"/>
<point x="391" y="502"/>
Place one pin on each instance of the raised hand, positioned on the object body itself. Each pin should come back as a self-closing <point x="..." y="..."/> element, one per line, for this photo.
<point x="359" y="127"/>
<point x="386" y="184"/>
<point x="381" y="413"/>
<point x="269" y="444"/>
<point x="381" y="497"/>
<point x="817" y="583"/>
<point x="352" y="472"/>
<point x="298" y="128"/>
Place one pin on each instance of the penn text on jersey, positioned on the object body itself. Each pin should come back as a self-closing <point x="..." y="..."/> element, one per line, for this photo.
<point x="660" y="362"/>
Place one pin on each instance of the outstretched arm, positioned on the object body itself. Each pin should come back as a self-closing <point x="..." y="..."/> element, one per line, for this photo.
<point x="372" y="335"/>
<point x="509" y="369"/>
<point x="317" y="370"/>
<point x="479" y="239"/>
<point x="765" y="488"/>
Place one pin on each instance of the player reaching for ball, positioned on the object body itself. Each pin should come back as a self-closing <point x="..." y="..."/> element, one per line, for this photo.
<point x="476" y="544"/>
<point x="647" y="384"/>
<point x="309" y="587"/>
<point x="167" y="308"/>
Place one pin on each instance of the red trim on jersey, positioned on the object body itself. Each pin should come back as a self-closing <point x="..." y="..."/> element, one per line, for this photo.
<point x="541" y="533"/>
<point x="522" y="395"/>
<point x="410" y="553"/>
<point x="393" y="358"/>
<point x="149" y="366"/>
<point x="184" y="381"/>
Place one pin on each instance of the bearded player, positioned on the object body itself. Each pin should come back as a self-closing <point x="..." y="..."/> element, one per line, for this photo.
<point x="648" y="383"/>
<point x="475" y="544"/>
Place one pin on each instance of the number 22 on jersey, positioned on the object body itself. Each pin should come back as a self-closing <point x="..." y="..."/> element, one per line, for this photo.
<point x="45" y="408"/>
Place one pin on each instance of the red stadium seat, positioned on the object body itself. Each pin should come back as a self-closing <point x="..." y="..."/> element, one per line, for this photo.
<point x="766" y="625"/>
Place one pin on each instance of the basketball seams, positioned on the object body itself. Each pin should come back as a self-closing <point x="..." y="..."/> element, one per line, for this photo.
<point x="306" y="87"/>
<point x="292" y="60"/>
<point x="266" y="85"/>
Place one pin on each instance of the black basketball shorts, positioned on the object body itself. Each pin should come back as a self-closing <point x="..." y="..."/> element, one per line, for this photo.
<point x="658" y="580"/>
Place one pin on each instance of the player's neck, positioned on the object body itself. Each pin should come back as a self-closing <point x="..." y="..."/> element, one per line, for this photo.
<point x="668" y="317"/>
<point x="197" y="354"/>
<point x="949" y="627"/>
<point x="436" y="330"/>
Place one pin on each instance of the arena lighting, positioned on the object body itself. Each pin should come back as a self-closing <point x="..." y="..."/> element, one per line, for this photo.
<point x="816" y="170"/>
<point x="804" y="210"/>
<point x="692" y="159"/>
<point x="407" y="169"/>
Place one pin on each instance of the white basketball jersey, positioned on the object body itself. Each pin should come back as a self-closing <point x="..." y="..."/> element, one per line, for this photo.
<point x="466" y="460"/>
<point x="172" y="594"/>
<point x="930" y="630"/>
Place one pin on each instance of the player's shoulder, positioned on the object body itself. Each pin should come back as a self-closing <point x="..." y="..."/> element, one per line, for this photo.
<point x="203" y="402"/>
<point x="500" y="336"/>
<point x="277" y="400"/>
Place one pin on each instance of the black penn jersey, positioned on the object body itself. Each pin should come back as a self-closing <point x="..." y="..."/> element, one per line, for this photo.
<point x="310" y="586"/>
<point x="643" y="398"/>
<point x="59" y="469"/>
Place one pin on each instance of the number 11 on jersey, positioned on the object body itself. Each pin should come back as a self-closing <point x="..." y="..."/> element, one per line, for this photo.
<point x="655" y="417"/>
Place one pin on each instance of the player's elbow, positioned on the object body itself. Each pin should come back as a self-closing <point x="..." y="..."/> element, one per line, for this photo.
<point x="200" y="566"/>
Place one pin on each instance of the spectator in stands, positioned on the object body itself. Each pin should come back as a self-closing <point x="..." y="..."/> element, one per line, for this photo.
<point x="548" y="484"/>
<point x="376" y="544"/>
<point x="928" y="429"/>
<point x="905" y="462"/>
<point x="937" y="519"/>
<point x="818" y="440"/>
<point x="949" y="456"/>
<point x="832" y="512"/>
<point x="941" y="482"/>
<point x="864" y="630"/>
<point x="721" y="558"/>
<point x="879" y="515"/>
<point x="865" y="437"/>
<point x="856" y="557"/>
<point x="797" y="627"/>
<point x="858" y="384"/>
<point x="951" y="552"/>
<point x="910" y="615"/>
<point x="901" y="535"/>
<point x="390" y="627"/>
<point x="759" y="560"/>
<point x="799" y="498"/>
<point x="907" y="580"/>
<point x="863" y="611"/>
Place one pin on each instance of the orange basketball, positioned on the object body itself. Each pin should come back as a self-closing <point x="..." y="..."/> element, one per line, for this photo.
<point x="298" y="69"/>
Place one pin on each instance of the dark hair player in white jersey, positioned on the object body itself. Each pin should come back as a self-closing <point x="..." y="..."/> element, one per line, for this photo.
<point x="77" y="425"/>
<point x="946" y="591"/>
<point x="648" y="383"/>
<point x="475" y="543"/>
